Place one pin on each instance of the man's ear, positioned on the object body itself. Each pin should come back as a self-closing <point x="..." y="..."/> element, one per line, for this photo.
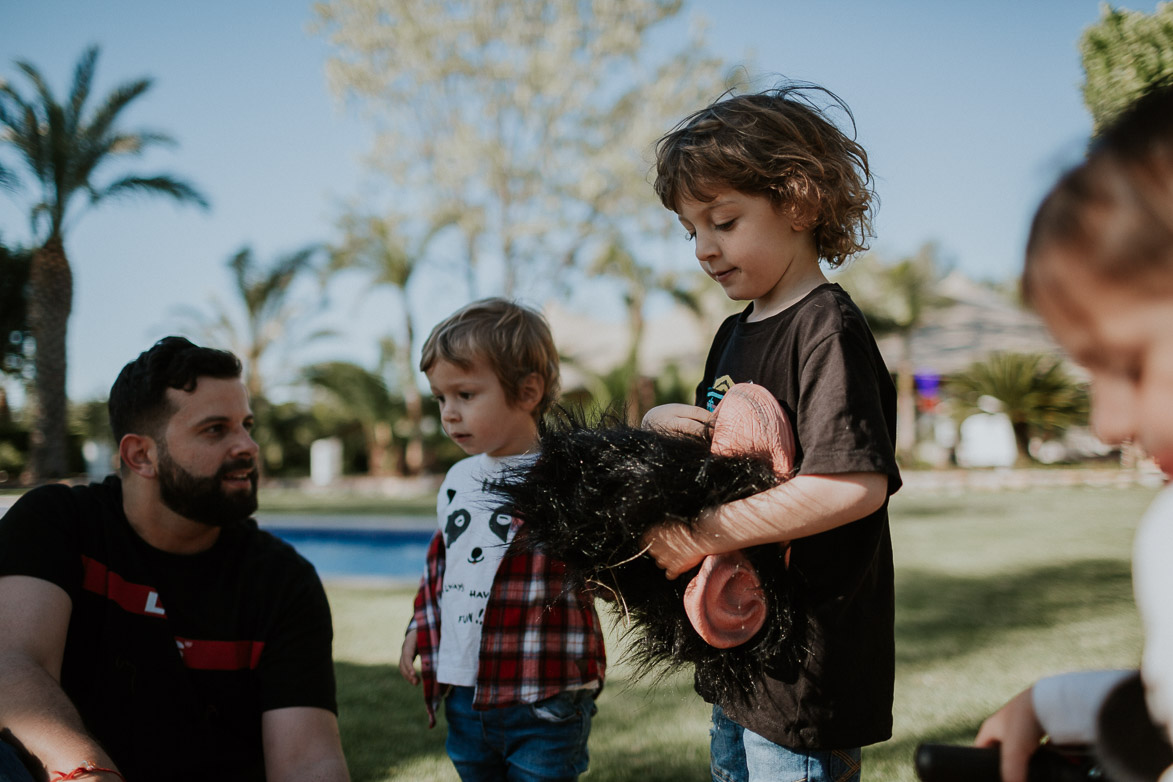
<point x="138" y="454"/>
<point x="530" y="392"/>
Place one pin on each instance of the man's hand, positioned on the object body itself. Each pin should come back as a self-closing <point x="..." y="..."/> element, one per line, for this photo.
<point x="677" y="418"/>
<point x="407" y="655"/>
<point x="1015" y="727"/>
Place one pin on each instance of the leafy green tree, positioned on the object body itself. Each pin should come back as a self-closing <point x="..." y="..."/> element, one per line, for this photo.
<point x="1124" y="54"/>
<point x="526" y="120"/>
<point x="1036" y="392"/>
<point x="63" y="146"/>
<point x="896" y="298"/>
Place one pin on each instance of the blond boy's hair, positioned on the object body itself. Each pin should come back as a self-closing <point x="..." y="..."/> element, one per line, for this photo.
<point x="781" y="145"/>
<point x="514" y="340"/>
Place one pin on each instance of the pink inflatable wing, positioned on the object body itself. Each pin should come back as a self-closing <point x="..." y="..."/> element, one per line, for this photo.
<point x="724" y="600"/>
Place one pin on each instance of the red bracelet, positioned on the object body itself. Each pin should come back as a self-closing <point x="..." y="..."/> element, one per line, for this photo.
<point x="88" y="767"/>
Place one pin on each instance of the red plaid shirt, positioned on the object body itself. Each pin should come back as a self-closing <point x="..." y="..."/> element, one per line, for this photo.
<point x="538" y="639"/>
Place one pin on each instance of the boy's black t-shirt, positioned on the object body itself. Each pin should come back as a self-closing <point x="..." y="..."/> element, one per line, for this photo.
<point x="171" y="659"/>
<point x="820" y="361"/>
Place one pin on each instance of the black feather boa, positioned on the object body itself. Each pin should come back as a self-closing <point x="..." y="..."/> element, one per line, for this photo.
<point x="597" y="487"/>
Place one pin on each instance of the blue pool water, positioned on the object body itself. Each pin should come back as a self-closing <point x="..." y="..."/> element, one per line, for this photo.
<point x="360" y="553"/>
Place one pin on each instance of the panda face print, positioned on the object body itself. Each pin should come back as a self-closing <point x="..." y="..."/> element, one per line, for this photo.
<point x="457" y="523"/>
<point x="500" y="522"/>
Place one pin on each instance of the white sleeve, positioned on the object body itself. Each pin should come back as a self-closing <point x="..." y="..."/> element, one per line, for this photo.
<point x="1066" y="705"/>
<point x="1152" y="579"/>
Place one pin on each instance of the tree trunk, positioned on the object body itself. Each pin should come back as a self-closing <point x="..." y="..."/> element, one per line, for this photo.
<point x="413" y="456"/>
<point x="50" y="303"/>
<point x="379" y="449"/>
<point x="905" y="402"/>
<point x="1022" y="441"/>
<point x="635" y="327"/>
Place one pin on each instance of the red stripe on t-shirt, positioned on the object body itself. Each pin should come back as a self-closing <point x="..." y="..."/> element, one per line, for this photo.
<point x="135" y="598"/>
<point x="220" y="655"/>
<point x="144" y="600"/>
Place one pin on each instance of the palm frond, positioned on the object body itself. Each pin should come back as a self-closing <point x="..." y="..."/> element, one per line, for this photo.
<point x="83" y="79"/>
<point x="24" y="130"/>
<point x="157" y="185"/>
<point x="102" y="121"/>
<point x="352" y="387"/>
<point x="39" y="84"/>
<point x="8" y="179"/>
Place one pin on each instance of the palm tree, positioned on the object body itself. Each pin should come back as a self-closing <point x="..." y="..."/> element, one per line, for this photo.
<point x="376" y="247"/>
<point x="264" y="316"/>
<point x="1036" y="392"/>
<point x="264" y="320"/>
<point x="896" y="298"/>
<point x="360" y="395"/>
<point x="62" y="147"/>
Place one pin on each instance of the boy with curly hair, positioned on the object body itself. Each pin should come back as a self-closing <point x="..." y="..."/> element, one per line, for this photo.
<point x="767" y="186"/>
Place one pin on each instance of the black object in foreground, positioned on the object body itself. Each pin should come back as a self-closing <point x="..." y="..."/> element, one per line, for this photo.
<point x="596" y="488"/>
<point x="956" y="763"/>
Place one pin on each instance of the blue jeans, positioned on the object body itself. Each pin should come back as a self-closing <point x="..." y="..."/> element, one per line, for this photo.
<point x="740" y="755"/>
<point x="529" y="742"/>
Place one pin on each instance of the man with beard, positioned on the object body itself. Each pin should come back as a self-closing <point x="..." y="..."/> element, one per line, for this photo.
<point x="148" y="629"/>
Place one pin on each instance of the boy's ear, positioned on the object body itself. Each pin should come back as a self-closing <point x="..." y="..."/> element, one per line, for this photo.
<point x="137" y="452"/>
<point x="530" y="392"/>
<point x="803" y="218"/>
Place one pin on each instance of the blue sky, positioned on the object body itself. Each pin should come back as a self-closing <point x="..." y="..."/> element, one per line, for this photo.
<point x="968" y="111"/>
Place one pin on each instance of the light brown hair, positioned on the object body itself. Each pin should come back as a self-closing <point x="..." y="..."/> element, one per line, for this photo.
<point x="779" y="144"/>
<point x="513" y="339"/>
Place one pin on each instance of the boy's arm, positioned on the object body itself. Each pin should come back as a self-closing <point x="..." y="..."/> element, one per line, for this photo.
<point x="407" y="654"/>
<point x="805" y="505"/>
<point x="1064" y="708"/>
<point x="35" y="617"/>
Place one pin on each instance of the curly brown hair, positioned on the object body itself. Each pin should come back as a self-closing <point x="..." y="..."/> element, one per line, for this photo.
<point x="513" y="339"/>
<point x="779" y="144"/>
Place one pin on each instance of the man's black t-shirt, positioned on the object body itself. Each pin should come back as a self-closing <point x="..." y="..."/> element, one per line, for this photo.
<point x="820" y="361"/>
<point x="171" y="659"/>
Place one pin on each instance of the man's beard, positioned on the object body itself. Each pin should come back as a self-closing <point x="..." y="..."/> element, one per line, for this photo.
<point x="203" y="499"/>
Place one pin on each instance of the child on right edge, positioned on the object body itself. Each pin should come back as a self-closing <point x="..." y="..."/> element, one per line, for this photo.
<point x="767" y="187"/>
<point x="1099" y="270"/>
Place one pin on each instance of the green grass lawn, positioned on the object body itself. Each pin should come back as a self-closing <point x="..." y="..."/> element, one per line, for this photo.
<point x="277" y="500"/>
<point x="993" y="591"/>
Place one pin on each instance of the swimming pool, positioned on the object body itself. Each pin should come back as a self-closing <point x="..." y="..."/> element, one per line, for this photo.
<point x="396" y="554"/>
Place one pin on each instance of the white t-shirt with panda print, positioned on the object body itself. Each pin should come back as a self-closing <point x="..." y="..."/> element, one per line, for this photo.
<point x="477" y="531"/>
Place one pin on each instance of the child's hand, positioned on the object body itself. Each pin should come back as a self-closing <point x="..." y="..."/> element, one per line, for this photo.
<point x="1015" y="727"/>
<point x="675" y="548"/>
<point x="677" y="418"/>
<point x="407" y="657"/>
